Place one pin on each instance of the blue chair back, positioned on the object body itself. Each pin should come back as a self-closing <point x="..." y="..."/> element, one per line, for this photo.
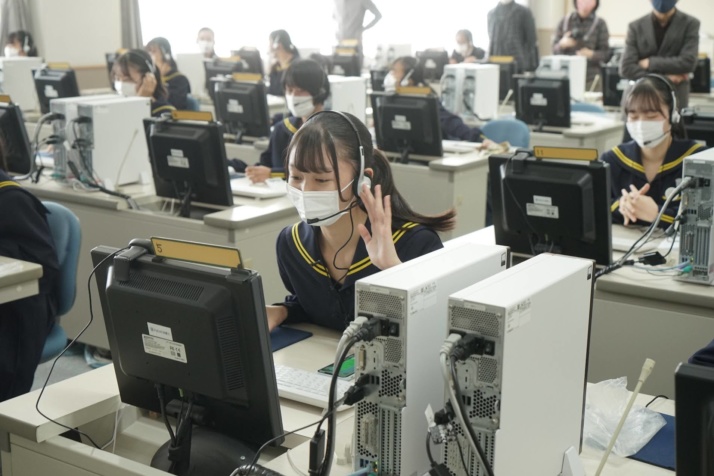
<point x="192" y="103"/>
<point x="67" y="235"/>
<point x="513" y="131"/>
<point x="586" y="107"/>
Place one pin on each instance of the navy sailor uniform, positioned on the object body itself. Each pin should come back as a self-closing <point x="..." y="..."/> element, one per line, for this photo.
<point x="178" y="87"/>
<point x="626" y="168"/>
<point x="317" y="298"/>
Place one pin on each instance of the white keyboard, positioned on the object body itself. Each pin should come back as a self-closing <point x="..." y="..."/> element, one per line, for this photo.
<point x="307" y="387"/>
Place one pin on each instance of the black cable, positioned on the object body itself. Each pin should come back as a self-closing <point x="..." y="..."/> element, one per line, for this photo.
<point x="428" y="450"/>
<point x="520" y="208"/>
<point x="352" y="232"/>
<point x="655" y="399"/>
<point x="164" y="417"/>
<point x="461" y="453"/>
<point x="459" y="401"/>
<point x="91" y="319"/>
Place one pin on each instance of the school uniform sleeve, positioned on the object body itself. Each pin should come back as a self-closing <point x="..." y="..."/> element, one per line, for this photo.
<point x="454" y="128"/>
<point x="296" y="313"/>
<point x="179" y="89"/>
<point x="615" y="181"/>
<point x="274" y="155"/>
<point x="417" y="243"/>
<point x="704" y="356"/>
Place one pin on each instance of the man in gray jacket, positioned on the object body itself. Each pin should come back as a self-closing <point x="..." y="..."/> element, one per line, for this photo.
<point x="664" y="42"/>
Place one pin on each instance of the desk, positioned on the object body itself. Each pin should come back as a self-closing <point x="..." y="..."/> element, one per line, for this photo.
<point x="701" y="99"/>
<point x="252" y="226"/>
<point x="18" y="279"/>
<point x="31" y="445"/>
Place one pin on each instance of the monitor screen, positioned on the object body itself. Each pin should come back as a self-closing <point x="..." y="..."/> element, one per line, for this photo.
<point x="613" y="85"/>
<point x="219" y="67"/>
<point x="543" y="101"/>
<point x="694" y="431"/>
<point x="699" y="125"/>
<point x="345" y="64"/>
<point x="54" y="83"/>
<point x="252" y="58"/>
<point x="243" y="108"/>
<point x="407" y="124"/>
<point x="431" y="63"/>
<point x="18" y="151"/>
<point x="188" y="161"/>
<point x="549" y="206"/>
<point x="201" y="329"/>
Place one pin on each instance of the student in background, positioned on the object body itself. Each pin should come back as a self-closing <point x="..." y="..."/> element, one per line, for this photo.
<point x="176" y="83"/>
<point x="405" y="72"/>
<point x="306" y="89"/>
<point x="665" y="41"/>
<point x="704" y="356"/>
<point x="206" y="41"/>
<point x="283" y="53"/>
<point x="465" y="51"/>
<point x="643" y="169"/>
<point x="135" y="74"/>
<point x="512" y="31"/>
<point x="20" y="43"/>
<point x="25" y="323"/>
<point x="349" y="229"/>
<point x="583" y="33"/>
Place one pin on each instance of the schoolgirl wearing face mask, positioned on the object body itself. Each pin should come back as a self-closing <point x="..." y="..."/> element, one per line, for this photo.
<point x="465" y="51"/>
<point x="306" y="89"/>
<point x="20" y="43"/>
<point x="135" y="74"/>
<point x="645" y="168"/>
<point x="282" y="53"/>
<point x="354" y="222"/>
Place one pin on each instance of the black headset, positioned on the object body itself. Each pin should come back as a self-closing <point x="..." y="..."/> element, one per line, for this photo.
<point x="674" y="116"/>
<point x="146" y="59"/>
<point x="26" y="44"/>
<point x="362" y="179"/>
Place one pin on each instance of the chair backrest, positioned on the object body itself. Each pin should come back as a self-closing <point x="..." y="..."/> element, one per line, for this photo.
<point x="67" y="235"/>
<point x="586" y="107"/>
<point x="514" y="131"/>
<point x="192" y="103"/>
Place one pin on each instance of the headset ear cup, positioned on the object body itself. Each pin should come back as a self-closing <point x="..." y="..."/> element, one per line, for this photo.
<point x="365" y="181"/>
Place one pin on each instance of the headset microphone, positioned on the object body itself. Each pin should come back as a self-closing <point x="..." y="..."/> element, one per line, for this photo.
<point x="310" y="221"/>
<point x="648" y="142"/>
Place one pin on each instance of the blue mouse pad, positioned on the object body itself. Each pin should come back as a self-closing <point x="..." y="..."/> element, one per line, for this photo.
<point x="285" y="336"/>
<point x="660" y="449"/>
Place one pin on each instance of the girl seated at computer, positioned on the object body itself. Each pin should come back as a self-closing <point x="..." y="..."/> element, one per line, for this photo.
<point x="282" y="53"/>
<point x="306" y="89"/>
<point x="136" y="75"/>
<point x="354" y="221"/>
<point x="176" y="83"/>
<point x="20" y="43"/>
<point x="645" y="168"/>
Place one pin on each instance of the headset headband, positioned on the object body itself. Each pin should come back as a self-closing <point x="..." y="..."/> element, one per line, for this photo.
<point x="674" y="116"/>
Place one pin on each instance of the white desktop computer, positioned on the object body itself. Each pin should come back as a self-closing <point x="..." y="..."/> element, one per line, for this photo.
<point x="348" y="94"/>
<point x="18" y="81"/>
<point x="524" y="389"/>
<point x="385" y="54"/>
<point x="114" y="140"/>
<point x="696" y="240"/>
<point x="572" y="67"/>
<point x="471" y="89"/>
<point x="403" y="363"/>
<point x="191" y="65"/>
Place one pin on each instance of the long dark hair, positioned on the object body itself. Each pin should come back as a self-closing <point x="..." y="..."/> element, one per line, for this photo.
<point x="142" y="61"/>
<point x="652" y="92"/>
<point x="164" y="47"/>
<point x="25" y="38"/>
<point x="326" y="132"/>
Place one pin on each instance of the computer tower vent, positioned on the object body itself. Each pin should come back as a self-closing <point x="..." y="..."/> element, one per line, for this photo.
<point x="150" y="284"/>
<point x="392" y="350"/>
<point x="704" y="213"/>
<point x="483" y="405"/>
<point x="391" y="424"/>
<point x="391" y="384"/>
<point x="391" y="306"/>
<point x="367" y="443"/>
<point x="230" y="352"/>
<point x="482" y="322"/>
<point x="452" y="454"/>
<point x="487" y="370"/>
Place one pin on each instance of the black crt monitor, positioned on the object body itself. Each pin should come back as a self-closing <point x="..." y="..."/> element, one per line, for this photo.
<point x="506" y="83"/>
<point x="702" y="77"/>
<point x="613" y="85"/>
<point x="543" y="101"/>
<point x="18" y="150"/>
<point x="376" y="79"/>
<point x="242" y="107"/>
<point x="694" y="431"/>
<point x="699" y="125"/>
<point x="345" y="64"/>
<point x="54" y="83"/>
<point x="251" y="56"/>
<point x="220" y="68"/>
<point x="407" y="125"/>
<point x="188" y="162"/>
<point x="431" y="63"/>
<point x="549" y="206"/>
<point x="202" y="329"/>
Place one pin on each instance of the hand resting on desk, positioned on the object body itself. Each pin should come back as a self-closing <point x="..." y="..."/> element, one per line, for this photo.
<point x="257" y="173"/>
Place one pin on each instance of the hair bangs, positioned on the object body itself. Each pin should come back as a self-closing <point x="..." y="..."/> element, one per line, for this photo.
<point x="645" y="97"/>
<point x="314" y="151"/>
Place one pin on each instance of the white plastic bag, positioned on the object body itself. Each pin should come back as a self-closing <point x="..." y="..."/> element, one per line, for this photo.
<point x="604" y="405"/>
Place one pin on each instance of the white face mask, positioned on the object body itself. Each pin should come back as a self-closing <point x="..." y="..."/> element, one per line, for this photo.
<point x="647" y="134"/>
<point x="125" y="88"/>
<point x="11" y="51"/>
<point x="390" y="83"/>
<point x="205" y="46"/>
<point x="318" y="208"/>
<point x="299" y="106"/>
<point x="463" y="49"/>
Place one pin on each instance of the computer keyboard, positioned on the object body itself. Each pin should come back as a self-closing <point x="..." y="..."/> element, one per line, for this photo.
<point x="307" y="387"/>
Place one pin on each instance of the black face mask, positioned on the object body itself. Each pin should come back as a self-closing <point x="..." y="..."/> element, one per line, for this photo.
<point x="663" y="6"/>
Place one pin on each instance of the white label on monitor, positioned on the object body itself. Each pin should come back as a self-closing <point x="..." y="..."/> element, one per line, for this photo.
<point x="401" y="123"/>
<point x="178" y="162"/>
<point x="160" y="331"/>
<point x="234" y="107"/>
<point x="50" y="92"/>
<point x="518" y="315"/>
<point x="543" y="211"/>
<point x="539" y="200"/>
<point x="423" y="298"/>
<point x="167" y="349"/>
<point x="539" y="100"/>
